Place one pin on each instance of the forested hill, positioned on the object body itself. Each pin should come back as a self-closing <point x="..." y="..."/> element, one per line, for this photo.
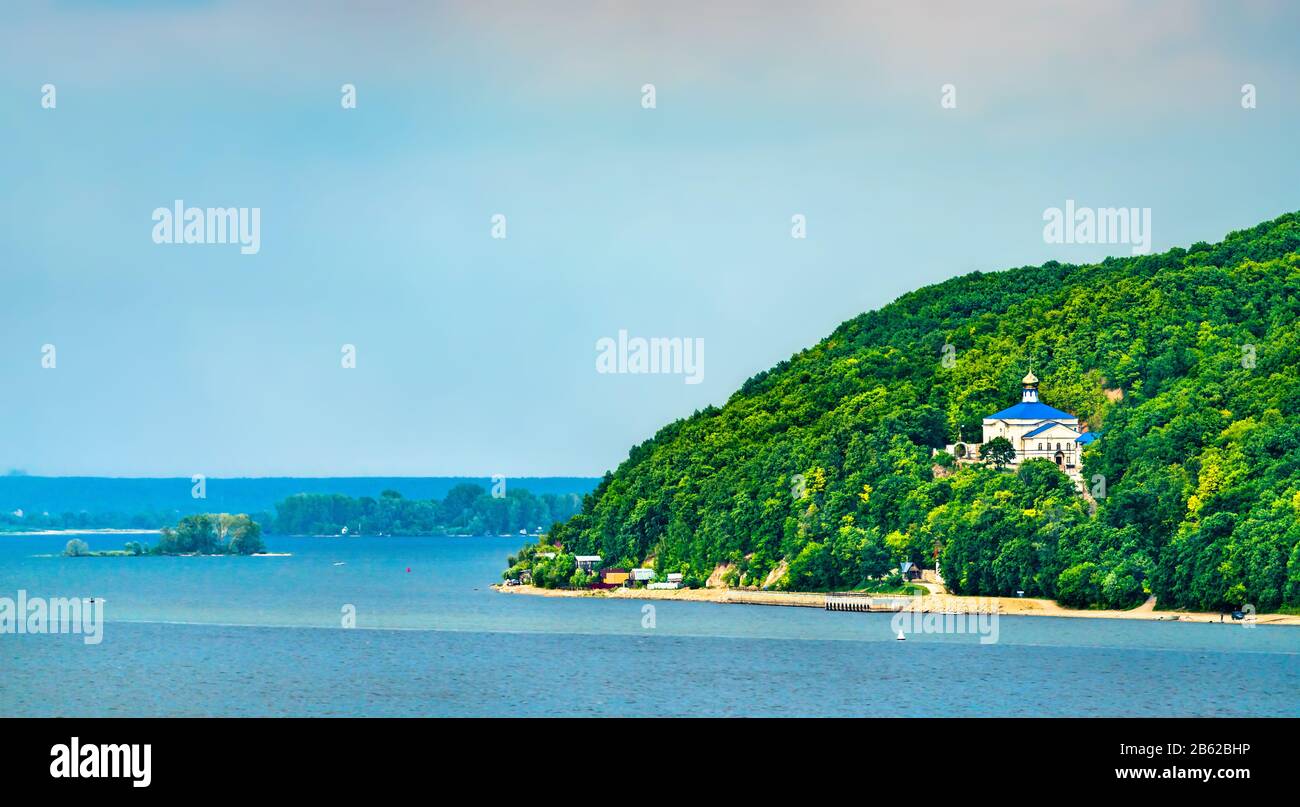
<point x="818" y="474"/>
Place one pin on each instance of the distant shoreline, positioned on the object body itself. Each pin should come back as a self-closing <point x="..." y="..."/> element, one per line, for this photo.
<point x="118" y="553"/>
<point x="931" y="603"/>
<point x="96" y="531"/>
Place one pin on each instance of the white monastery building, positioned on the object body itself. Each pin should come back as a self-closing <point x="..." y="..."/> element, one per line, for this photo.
<point x="1035" y="430"/>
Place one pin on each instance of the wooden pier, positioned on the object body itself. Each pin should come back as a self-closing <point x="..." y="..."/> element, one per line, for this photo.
<point x="866" y="603"/>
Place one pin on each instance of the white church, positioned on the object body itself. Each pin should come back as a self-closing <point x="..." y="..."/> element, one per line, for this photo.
<point x="1035" y="430"/>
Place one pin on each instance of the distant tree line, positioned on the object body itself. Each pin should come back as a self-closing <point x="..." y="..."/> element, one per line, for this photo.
<point x="467" y="509"/>
<point x="83" y="520"/>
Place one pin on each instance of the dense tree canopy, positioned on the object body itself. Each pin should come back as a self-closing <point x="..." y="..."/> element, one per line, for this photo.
<point x="212" y="534"/>
<point x="819" y="472"/>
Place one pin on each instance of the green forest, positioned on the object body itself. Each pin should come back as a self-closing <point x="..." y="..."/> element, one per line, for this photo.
<point x="467" y="509"/>
<point x="819" y="473"/>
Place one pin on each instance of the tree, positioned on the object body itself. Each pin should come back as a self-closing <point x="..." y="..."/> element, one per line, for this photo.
<point x="1079" y="585"/>
<point x="245" y="536"/>
<point x="212" y="534"/>
<point x="998" y="451"/>
<point x="76" y="548"/>
<point x="193" y="534"/>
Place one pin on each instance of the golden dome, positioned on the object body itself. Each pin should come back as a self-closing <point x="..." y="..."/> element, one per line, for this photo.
<point x="1031" y="378"/>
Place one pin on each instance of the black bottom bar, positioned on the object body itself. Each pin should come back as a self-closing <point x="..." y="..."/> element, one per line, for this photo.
<point x="507" y="757"/>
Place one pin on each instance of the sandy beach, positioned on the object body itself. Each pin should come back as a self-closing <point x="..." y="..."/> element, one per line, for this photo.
<point x="931" y="603"/>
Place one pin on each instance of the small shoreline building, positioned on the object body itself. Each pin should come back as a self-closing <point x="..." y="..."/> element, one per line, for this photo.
<point x="614" y="577"/>
<point x="1035" y="430"/>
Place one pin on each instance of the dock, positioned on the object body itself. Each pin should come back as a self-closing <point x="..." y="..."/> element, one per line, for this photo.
<point x="866" y="603"/>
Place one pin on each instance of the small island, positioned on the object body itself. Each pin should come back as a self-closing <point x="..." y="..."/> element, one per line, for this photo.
<point x="202" y="534"/>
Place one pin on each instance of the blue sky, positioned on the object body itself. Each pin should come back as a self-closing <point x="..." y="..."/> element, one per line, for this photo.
<point x="477" y="355"/>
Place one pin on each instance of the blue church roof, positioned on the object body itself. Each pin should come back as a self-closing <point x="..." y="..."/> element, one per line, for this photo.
<point x="1044" y="428"/>
<point x="1087" y="437"/>
<point x="1032" y="411"/>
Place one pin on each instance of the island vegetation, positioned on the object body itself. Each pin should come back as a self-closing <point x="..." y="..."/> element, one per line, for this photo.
<point x="202" y="534"/>
<point x="822" y="473"/>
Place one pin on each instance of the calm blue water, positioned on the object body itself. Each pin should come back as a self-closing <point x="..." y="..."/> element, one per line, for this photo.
<point x="262" y="636"/>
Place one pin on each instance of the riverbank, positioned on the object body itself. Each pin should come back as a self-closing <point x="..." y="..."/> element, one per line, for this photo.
<point x="723" y="595"/>
<point x="930" y="603"/>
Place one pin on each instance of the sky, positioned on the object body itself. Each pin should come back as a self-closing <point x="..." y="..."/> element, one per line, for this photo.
<point x="919" y="141"/>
